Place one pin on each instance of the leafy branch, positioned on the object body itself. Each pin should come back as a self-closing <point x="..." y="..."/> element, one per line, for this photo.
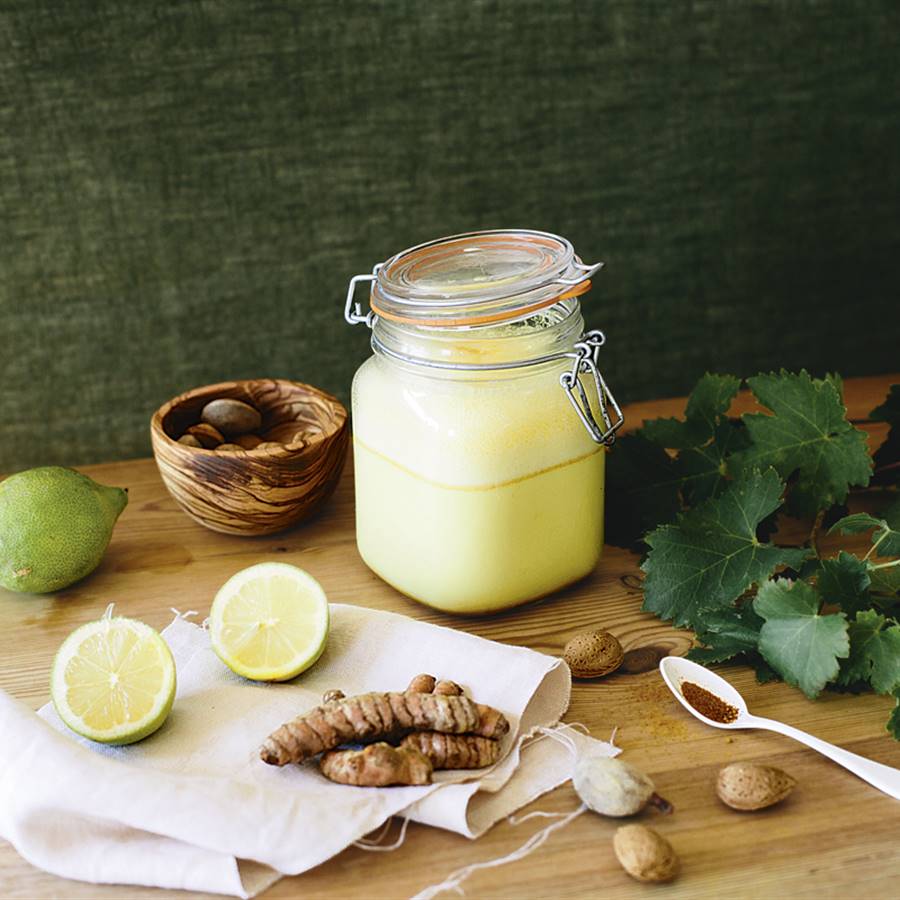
<point x="702" y="496"/>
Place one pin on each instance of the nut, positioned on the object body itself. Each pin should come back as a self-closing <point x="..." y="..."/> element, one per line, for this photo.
<point x="208" y="436"/>
<point x="422" y="684"/>
<point x="248" y="441"/>
<point x="448" y="688"/>
<point x="644" y="854"/>
<point x="612" y="787"/>
<point x="592" y="654"/>
<point x="231" y="417"/>
<point x="189" y="441"/>
<point x="229" y="448"/>
<point x="748" y="786"/>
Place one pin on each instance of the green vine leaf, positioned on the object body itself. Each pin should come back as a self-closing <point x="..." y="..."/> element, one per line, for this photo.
<point x="874" y="653"/>
<point x="807" y="433"/>
<point x="642" y="489"/>
<point x="732" y="633"/>
<point x="889" y="411"/>
<point x="887" y="456"/>
<point x="727" y="633"/>
<point x="705" y="493"/>
<point x="711" y="555"/>
<point x="885" y="582"/>
<point x="893" y="722"/>
<point x="647" y="486"/>
<point x="703" y="470"/>
<point x="885" y="540"/>
<point x="845" y="582"/>
<point x="800" y="644"/>
<point x="708" y="402"/>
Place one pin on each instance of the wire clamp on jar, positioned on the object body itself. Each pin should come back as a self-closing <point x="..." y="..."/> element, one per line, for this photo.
<point x="586" y="355"/>
<point x="443" y="284"/>
<point x="353" y="313"/>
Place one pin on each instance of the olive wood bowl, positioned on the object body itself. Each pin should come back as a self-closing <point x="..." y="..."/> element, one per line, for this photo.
<point x="258" y="491"/>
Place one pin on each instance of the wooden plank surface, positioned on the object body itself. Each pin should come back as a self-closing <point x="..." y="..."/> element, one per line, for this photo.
<point x="835" y="837"/>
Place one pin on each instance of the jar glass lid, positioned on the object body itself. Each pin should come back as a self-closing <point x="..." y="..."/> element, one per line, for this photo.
<point x="478" y="278"/>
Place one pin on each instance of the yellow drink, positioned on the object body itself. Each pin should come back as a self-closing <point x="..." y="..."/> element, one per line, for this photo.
<point x="479" y="549"/>
<point x="474" y="493"/>
<point x="479" y="421"/>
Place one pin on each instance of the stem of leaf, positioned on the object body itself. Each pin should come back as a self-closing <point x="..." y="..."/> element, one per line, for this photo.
<point x="814" y="534"/>
<point x="887" y="565"/>
<point x="872" y="549"/>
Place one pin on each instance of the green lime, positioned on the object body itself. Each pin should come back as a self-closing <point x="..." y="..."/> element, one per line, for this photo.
<point x="55" y="526"/>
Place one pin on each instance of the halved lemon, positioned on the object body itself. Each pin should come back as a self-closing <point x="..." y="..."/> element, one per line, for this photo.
<point x="269" y="622"/>
<point x="113" y="680"/>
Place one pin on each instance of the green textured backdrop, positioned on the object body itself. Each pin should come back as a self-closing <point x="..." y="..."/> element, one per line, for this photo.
<point x="187" y="187"/>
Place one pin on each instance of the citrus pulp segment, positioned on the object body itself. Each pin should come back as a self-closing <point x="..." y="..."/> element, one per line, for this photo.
<point x="113" y="680"/>
<point x="269" y="622"/>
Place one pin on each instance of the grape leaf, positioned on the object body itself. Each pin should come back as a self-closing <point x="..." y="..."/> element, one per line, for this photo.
<point x="874" y="653"/>
<point x="886" y="540"/>
<point x="845" y="581"/>
<point x="807" y="433"/>
<point x="642" y="489"/>
<point x="702" y="470"/>
<point x="646" y="485"/>
<point x="887" y="456"/>
<point x="886" y="537"/>
<point x="891" y="515"/>
<point x="799" y="643"/>
<point x="764" y="672"/>
<point x="732" y="633"/>
<point x="810" y="569"/>
<point x="708" y="402"/>
<point x="716" y="652"/>
<point x="705" y="438"/>
<point x="710" y="555"/>
<point x="889" y="411"/>
<point x="885" y="581"/>
<point x="727" y="633"/>
<point x="893" y="722"/>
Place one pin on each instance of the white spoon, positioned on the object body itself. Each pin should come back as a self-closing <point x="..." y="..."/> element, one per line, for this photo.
<point x="675" y="671"/>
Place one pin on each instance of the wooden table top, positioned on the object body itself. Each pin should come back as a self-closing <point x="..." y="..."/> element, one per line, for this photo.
<point x="834" y="837"/>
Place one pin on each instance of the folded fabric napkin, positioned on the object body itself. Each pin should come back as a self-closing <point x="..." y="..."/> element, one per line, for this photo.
<point x="194" y="807"/>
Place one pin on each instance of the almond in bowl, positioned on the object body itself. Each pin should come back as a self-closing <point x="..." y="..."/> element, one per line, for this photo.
<point x="290" y="466"/>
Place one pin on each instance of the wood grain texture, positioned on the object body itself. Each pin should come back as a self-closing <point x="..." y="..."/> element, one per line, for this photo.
<point x="268" y="488"/>
<point x="834" y="837"/>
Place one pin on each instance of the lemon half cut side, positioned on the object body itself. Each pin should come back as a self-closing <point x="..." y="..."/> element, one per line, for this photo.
<point x="269" y="622"/>
<point x="113" y="680"/>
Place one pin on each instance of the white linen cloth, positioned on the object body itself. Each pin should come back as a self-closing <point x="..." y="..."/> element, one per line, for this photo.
<point x="194" y="807"/>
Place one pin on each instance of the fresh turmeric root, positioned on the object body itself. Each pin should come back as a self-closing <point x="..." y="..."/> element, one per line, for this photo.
<point x="428" y="684"/>
<point x="454" y="751"/>
<point x="370" y="717"/>
<point x="377" y="765"/>
<point x="422" y="684"/>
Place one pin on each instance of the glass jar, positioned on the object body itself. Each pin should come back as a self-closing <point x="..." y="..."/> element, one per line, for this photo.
<point x="479" y="422"/>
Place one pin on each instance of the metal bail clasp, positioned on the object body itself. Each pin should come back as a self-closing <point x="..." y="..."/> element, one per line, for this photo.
<point x="353" y="313"/>
<point x="586" y="353"/>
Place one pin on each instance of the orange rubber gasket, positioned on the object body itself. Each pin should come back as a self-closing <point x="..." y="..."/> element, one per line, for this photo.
<point x="487" y="318"/>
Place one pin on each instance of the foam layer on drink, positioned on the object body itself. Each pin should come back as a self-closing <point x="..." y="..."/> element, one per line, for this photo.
<point x="474" y="492"/>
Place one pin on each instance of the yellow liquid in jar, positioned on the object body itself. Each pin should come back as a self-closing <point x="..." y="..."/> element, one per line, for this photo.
<point x="475" y="550"/>
<point x="475" y="491"/>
